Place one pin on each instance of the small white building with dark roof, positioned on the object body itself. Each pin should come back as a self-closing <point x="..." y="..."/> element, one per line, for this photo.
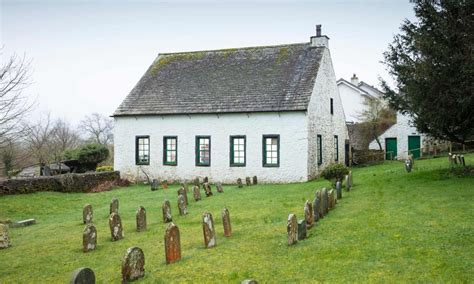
<point x="272" y="111"/>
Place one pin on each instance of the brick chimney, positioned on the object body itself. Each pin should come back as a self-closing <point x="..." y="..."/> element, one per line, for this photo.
<point x="355" y="80"/>
<point x="319" y="40"/>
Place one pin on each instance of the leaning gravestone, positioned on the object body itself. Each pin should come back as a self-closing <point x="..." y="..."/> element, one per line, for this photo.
<point x="116" y="229"/>
<point x="133" y="264"/>
<point x="347" y="182"/>
<point x="247" y="181"/>
<point x="83" y="275"/>
<point x="315" y="209"/>
<point x="239" y="182"/>
<point x="208" y="230"/>
<point x="154" y="185"/>
<point x="219" y="187"/>
<point x="89" y="238"/>
<point x="302" y="232"/>
<point x="4" y="237"/>
<point x="166" y="209"/>
<point x="292" y="229"/>
<point x="183" y="192"/>
<point x="172" y="244"/>
<point x="339" y="189"/>
<point x="140" y="217"/>
<point x="226" y="222"/>
<point x="114" y="206"/>
<point x="308" y="214"/>
<point x="183" y="209"/>
<point x="207" y="189"/>
<point x="196" y="193"/>
<point x="255" y="180"/>
<point x="87" y="214"/>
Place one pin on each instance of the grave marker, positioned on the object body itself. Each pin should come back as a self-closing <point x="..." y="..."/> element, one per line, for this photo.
<point x="183" y="192"/>
<point x="219" y="187"/>
<point x="140" y="217"/>
<point x="196" y="193"/>
<point x="292" y="229"/>
<point x="255" y="180"/>
<point x="247" y="181"/>
<point x="226" y="222"/>
<point x="207" y="189"/>
<point x="166" y="210"/>
<point x="83" y="275"/>
<point x="172" y="244"/>
<point x="116" y="229"/>
<point x="133" y="264"/>
<point x="87" y="214"/>
<point x="154" y="185"/>
<point x="183" y="209"/>
<point x="208" y="230"/>
<point x="308" y="214"/>
<point x="4" y="237"/>
<point x="302" y="232"/>
<point x="89" y="238"/>
<point x="114" y="206"/>
<point x="339" y="189"/>
<point x="239" y="183"/>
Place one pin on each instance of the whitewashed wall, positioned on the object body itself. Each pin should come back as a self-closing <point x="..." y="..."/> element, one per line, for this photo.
<point x="291" y="126"/>
<point x="352" y="102"/>
<point x="320" y="120"/>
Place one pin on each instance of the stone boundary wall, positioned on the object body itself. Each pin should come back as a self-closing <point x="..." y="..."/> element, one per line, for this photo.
<point x="59" y="183"/>
<point x="361" y="157"/>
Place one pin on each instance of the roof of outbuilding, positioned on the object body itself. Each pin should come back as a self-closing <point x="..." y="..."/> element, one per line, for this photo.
<point x="253" y="79"/>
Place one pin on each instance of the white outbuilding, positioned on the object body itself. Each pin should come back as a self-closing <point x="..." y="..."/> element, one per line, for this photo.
<point x="273" y="112"/>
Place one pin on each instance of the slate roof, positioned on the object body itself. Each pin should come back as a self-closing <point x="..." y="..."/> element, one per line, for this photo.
<point x="253" y="79"/>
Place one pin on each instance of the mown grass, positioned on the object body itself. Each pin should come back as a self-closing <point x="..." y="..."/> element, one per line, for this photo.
<point x="393" y="227"/>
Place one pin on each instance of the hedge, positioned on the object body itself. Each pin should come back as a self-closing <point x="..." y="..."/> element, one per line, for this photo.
<point x="60" y="183"/>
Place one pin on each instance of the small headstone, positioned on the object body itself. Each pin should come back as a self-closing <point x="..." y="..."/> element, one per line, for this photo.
<point x="154" y="185"/>
<point x="407" y="166"/>
<point x="89" y="238"/>
<point x="208" y="230"/>
<point x="133" y="264"/>
<point x="239" y="182"/>
<point x="325" y="198"/>
<point x="339" y="189"/>
<point x="255" y="180"/>
<point x="247" y="181"/>
<point x="219" y="187"/>
<point x="87" y="214"/>
<point x="183" y="209"/>
<point x="226" y="222"/>
<point x="116" y="229"/>
<point x="302" y="232"/>
<point x="4" y="237"/>
<point x="315" y="209"/>
<point x="308" y="214"/>
<point x="320" y="208"/>
<point x="141" y="219"/>
<point x="172" y="244"/>
<point x="114" y="206"/>
<point x="206" y="179"/>
<point x="196" y="181"/>
<point x="347" y="183"/>
<point x="331" y="199"/>
<point x="196" y="193"/>
<point x="207" y="189"/>
<point x="165" y="184"/>
<point x="183" y="192"/>
<point x="292" y="229"/>
<point x="83" y="275"/>
<point x="166" y="209"/>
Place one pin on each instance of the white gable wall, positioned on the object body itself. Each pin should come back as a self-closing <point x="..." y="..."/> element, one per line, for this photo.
<point x="291" y="126"/>
<point x="352" y="101"/>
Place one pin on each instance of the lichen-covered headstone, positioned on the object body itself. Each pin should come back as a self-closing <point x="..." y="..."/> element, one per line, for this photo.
<point x="226" y="222"/>
<point x="219" y="187"/>
<point x="87" y="214"/>
<point x="114" y="206"/>
<point x="347" y="183"/>
<point x="407" y="166"/>
<point x="89" y="238"/>
<point x="183" y="192"/>
<point x="308" y="214"/>
<point x="247" y="181"/>
<point x="255" y="180"/>
<point x="239" y="183"/>
<point x="183" y="209"/>
<point x="339" y="189"/>
<point x="207" y="189"/>
<point x="196" y="181"/>
<point x="315" y="209"/>
<point x="172" y="244"/>
<point x="83" y="275"/>
<point x="302" y="232"/>
<point x="166" y="209"/>
<point x="331" y="199"/>
<point x="292" y="229"/>
<point x="164" y="184"/>
<point x="133" y="264"/>
<point x="116" y="229"/>
<point x="208" y="230"/>
<point x="196" y="193"/>
<point x="206" y="179"/>
<point x="4" y="237"/>
<point x="154" y="185"/>
<point x="140" y="217"/>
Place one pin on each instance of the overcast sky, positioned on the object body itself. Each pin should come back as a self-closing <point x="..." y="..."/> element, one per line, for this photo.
<point x="88" y="55"/>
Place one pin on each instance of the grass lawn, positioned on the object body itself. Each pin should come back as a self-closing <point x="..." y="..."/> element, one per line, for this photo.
<point x="393" y="227"/>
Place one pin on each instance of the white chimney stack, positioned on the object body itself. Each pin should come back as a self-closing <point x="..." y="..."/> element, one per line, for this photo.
<point x="355" y="80"/>
<point x="319" y="40"/>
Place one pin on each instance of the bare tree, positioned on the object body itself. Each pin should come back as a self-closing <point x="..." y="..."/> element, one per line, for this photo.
<point x="39" y="137"/>
<point x="99" y="128"/>
<point x="376" y="118"/>
<point x="63" y="137"/>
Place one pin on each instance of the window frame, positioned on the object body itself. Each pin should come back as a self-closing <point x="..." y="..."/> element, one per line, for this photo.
<point x="231" y="150"/>
<point x="137" y="161"/>
<point x="336" y="148"/>
<point x="319" y="146"/>
<point x="332" y="106"/>
<point x="264" y="151"/>
<point x="198" y="152"/>
<point x="166" y="150"/>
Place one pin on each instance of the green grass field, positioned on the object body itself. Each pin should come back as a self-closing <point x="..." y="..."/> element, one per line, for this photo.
<point x="393" y="227"/>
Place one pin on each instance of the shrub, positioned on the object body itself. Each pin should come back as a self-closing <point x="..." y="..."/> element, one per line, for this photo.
<point x="88" y="156"/>
<point x="104" y="169"/>
<point x="335" y="172"/>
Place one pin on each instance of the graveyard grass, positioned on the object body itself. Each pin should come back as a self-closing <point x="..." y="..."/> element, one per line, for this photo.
<point x="392" y="227"/>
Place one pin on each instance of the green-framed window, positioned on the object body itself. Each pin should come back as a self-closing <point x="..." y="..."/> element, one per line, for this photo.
<point x="203" y="151"/>
<point x="142" y="150"/>
<point x="319" y="145"/>
<point x="271" y="150"/>
<point x="170" y="150"/>
<point x="336" y="148"/>
<point x="238" y="149"/>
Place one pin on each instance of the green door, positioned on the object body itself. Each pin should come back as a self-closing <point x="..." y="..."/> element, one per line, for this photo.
<point x="414" y="146"/>
<point x="390" y="148"/>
